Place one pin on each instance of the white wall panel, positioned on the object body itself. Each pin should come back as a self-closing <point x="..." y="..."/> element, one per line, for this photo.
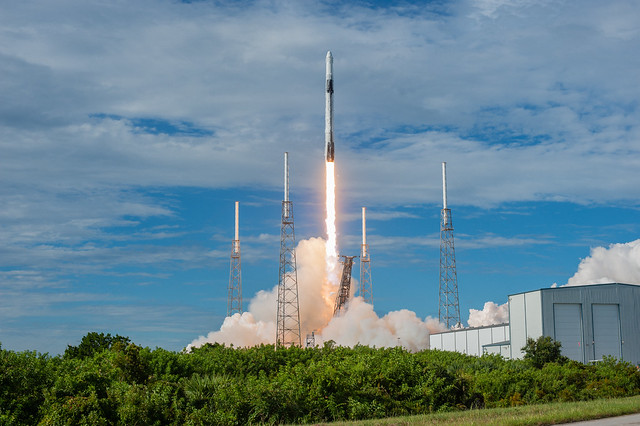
<point x="461" y="341"/>
<point x="473" y="342"/>
<point x="448" y="342"/>
<point x="533" y="308"/>
<point x="517" y="324"/>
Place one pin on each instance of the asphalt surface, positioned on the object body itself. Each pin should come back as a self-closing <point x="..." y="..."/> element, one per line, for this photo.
<point x="631" y="419"/>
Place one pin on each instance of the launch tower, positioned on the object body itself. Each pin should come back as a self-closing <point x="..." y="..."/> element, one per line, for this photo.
<point x="234" y="300"/>
<point x="288" y="320"/>
<point x="345" y="284"/>
<point x="449" y="309"/>
<point x="366" y="289"/>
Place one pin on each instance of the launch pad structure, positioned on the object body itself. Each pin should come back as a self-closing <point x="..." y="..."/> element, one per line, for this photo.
<point x="234" y="299"/>
<point x="449" y="308"/>
<point x="345" y="284"/>
<point x="310" y="341"/>
<point x="288" y="317"/>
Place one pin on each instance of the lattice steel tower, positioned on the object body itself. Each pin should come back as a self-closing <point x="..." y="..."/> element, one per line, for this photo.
<point x="345" y="285"/>
<point x="288" y="320"/>
<point x="366" y="288"/>
<point x="449" y="310"/>
<point x="234" y="299"/>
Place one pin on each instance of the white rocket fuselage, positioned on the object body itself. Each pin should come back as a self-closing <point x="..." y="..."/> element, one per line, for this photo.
<point x="328" y="113"/>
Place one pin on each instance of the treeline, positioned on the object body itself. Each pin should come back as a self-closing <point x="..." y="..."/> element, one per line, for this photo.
<point x="109" y="380"/>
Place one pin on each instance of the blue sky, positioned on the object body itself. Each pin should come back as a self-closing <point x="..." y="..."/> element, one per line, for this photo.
<point x="128" y="130"/>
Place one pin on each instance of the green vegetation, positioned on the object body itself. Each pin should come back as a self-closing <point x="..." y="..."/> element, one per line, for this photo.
<point x="542" y="351"/>
<point x="109" y="380"/>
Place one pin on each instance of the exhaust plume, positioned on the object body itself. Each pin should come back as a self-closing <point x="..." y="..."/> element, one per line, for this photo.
<point x="361" y="325"/>
<point x="358" y="325"/>
<point x="331" y="245"/>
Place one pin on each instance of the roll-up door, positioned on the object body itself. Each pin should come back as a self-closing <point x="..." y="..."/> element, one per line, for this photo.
<point x="568" y="329"/>
<point x="606" y="330"/>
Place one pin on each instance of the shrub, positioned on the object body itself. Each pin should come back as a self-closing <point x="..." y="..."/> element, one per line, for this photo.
<point x="125" y="384"/>
<point x="543" y="350"/>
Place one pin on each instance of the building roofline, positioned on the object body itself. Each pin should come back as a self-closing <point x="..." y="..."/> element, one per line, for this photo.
<point x="566" y="287"/>
<point x="470" y="328"/>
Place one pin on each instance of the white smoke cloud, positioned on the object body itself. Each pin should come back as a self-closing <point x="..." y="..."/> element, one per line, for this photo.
<point x="359" y="324"/>
<point x="489" y="315"/>
<point x="619" y="263"/>
<point x="239" y="330"/>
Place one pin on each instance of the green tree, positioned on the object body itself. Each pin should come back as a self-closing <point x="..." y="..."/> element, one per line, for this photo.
<point x="94" y="343"/>
<point x="24" y="377"/>
<point x="543" y="350"/>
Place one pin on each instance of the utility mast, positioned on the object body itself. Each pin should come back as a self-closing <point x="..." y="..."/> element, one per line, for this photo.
<point x="345" y="284"/>
<point x="234" y="300"/>
<point x="449" y="310"/>
<point x="366" y="288"/>
<point x="288" y="320"/>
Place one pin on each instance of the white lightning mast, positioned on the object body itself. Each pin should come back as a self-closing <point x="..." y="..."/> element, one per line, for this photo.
<point x="449" y="309"/>
<point x="288" y="316"/>
<point x="234" y="299"/>
<point x="366" y="286"/>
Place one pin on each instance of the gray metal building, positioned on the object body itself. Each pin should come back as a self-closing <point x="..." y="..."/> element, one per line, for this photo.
<point x="590" y="321"/>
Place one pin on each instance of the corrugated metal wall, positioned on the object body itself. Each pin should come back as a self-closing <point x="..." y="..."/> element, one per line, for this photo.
<point x="590" y="321"/>
<point x="469" y="340"/>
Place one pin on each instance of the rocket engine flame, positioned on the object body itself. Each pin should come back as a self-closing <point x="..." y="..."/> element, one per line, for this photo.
<point x="331" y="249"/>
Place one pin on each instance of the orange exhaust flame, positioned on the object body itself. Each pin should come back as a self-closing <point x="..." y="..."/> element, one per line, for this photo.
<point x="331" y="253"/>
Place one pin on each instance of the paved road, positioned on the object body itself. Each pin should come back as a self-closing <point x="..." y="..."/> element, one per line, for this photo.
<point x="632" y="419"/>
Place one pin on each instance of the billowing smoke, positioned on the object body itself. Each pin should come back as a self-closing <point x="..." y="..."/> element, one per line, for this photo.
<point x="316" y="295"/>
<point x="239" y="330"/>
<point x="619" y="263"/>
<point x="360" y="324"/>
<point x="491" y="314"/>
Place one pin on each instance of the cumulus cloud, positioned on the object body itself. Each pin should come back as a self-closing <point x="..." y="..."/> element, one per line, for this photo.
<point x="520" y="111"/>
<point x="491" y="314"/>
<point x="618" y="263"/>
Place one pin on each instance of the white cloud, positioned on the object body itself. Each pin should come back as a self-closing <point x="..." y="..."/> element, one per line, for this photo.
<point x="489" y="315"/>
<point x="253" y="76"/>
<point x="618" y="263"/>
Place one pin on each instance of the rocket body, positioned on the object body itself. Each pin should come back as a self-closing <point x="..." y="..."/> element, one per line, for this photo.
<point x="328" y="114"/>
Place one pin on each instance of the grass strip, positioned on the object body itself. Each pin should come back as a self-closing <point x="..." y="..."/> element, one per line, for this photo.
<point x="542" y="414"/>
